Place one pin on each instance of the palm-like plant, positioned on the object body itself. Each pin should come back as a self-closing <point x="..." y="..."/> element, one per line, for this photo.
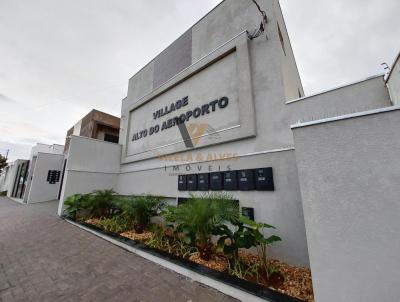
<point x="140" y="209"/>
<point x="102" y="203"/>
<point x="198" y="218"/>
<point x="76" y="203"/>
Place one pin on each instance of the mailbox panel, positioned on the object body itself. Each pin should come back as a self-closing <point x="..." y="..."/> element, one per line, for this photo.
<point x="230" y="180"/>
<point x="246" y="180"/>
<point x="216" y="181"/>
<point x="203" y="182"/>
<point x="192" y="182"/>
<point x="182" y="183"/>
<point x="264" y="179"/>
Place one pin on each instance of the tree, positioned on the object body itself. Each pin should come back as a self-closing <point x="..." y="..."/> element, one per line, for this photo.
<point x="3" y="163"/>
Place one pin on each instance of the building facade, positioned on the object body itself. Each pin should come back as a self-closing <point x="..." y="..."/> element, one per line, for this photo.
<point x="14" y="177"/>
<point x="220" y="110"/>
<point x="44" y="180"/>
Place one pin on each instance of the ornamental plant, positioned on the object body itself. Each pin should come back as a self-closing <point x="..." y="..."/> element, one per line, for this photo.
<point x="139" y="209"/>
<point x="198" y="218"/>
<point x="75" y="204"/>
<point x="247" y="234"/>
<point x="102" y="203"/>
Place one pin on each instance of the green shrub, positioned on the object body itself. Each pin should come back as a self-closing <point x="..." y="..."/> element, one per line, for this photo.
<point x="139" y="210"/>
<point x="116" y="224"/>
<point x="170" y="243"/>
<point x="3" y="193"/>
<point x="102" y="203"/>
<point x="200" y="216"/>
<point x="75" y="204"/>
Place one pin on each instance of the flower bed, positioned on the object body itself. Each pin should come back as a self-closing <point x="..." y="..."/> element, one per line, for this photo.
<point x="185" y="239"/>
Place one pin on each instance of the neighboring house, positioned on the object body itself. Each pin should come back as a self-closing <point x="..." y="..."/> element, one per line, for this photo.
<point x="14" y="177"/>
<point x="44" y="176"/>
<point x="96" y="124"/>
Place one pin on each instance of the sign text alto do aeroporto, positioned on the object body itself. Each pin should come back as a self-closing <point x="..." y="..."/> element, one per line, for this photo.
<point x="184" y="117"/>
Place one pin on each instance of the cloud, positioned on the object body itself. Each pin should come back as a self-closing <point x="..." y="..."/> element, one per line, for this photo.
<point x="337" y="42"/>
<point x="15" y="150"/>
<point x="5" y="99"/>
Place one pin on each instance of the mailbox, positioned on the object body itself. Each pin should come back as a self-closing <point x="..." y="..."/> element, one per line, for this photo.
<point x="216" y="181"/>
<point x="264" y="179"/>
<point x="230" y="180"/>
<point x="182" y="183"/>
<point x="246" y="180"/>
<point x="191" y="182"/>
<point x="248" y="212"/>
<point x="203" y="182"/>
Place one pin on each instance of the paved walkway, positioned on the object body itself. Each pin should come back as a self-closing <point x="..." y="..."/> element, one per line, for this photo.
<point x="43" y="258"/>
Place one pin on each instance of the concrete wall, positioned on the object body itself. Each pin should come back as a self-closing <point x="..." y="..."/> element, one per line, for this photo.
<point x="91" y="165"/>
<point x="349" y="177"/>
<point x="364" y="95"/>
<point x="393" y="82"/>
<point x="40" y="189"/>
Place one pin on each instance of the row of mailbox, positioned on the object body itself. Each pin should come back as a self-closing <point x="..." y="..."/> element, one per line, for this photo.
<point x="243" y="180"/>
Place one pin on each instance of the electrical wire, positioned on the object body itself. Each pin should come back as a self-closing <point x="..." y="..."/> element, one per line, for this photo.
<point x="259" y="31"/>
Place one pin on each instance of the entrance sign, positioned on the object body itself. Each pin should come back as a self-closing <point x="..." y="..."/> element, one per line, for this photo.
<point x="216" y="91"/>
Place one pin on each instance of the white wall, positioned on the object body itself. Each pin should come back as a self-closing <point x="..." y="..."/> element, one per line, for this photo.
<point x="349" y="177"/>
<point x="91" y="165"/>
<point x="40" y="190"/>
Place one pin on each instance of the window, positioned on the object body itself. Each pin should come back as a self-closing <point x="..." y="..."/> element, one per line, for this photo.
<point x="111" y="138"/>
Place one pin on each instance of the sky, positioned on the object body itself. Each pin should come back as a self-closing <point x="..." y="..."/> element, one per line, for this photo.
<point x="61" y="58"/>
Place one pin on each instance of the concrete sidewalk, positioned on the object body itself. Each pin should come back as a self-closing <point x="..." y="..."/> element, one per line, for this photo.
<point x="43" y="258"/>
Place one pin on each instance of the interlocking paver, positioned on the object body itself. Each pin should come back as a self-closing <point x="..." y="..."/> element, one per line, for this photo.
<point x="43" y="258"/>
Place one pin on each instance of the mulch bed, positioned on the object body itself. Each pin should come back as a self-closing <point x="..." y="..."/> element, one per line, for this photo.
<point x="217" y="263"/>
<point x="135" y="236"/>
<point x="297" y="280"/>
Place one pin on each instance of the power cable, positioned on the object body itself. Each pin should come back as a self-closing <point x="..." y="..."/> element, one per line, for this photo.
<point x="259" y="31"/>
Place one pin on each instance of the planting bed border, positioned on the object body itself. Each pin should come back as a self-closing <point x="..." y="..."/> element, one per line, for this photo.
<point x="229" y="285"/>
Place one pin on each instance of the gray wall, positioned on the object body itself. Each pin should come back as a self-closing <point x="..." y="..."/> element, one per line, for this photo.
<point x="91" y="165"/>
<point x="393" y="82"/>
<point x="365" y="95"/>
<point x="349" y="177"/>
<point x="40" y="190"/>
